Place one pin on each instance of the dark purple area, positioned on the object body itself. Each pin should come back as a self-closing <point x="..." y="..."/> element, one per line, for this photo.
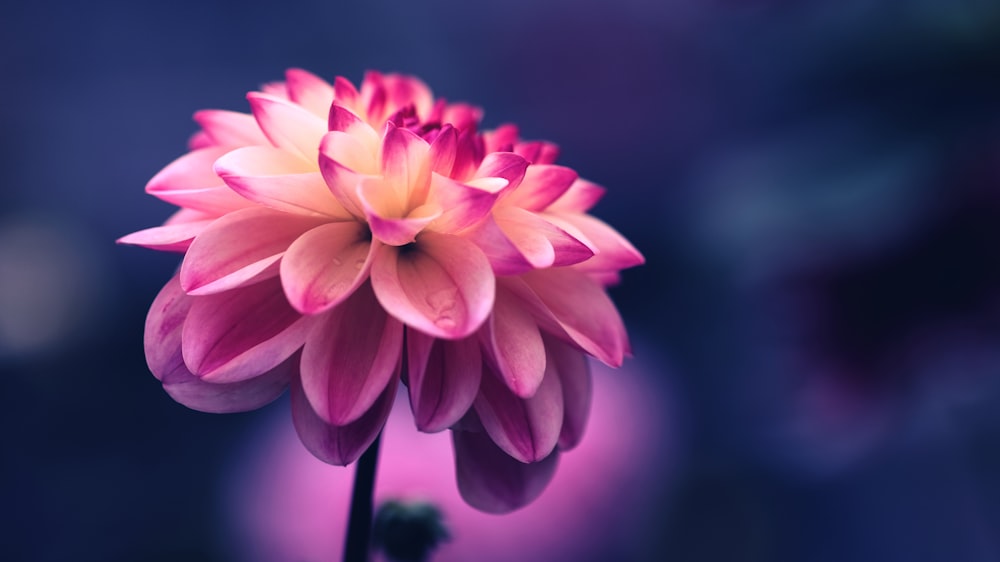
<point x="815" y="186"/>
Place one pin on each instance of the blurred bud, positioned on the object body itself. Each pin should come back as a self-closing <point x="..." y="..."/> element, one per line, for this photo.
<point x="409" y="531"/>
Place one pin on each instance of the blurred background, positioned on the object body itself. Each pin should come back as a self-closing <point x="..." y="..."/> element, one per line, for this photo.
<point x="815" y="185"/>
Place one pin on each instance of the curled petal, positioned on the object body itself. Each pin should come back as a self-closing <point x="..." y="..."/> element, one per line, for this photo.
<point x="514" y="344"/>
<point x="350" y="357"/>
<point x="168" y="238"/>
<point x="614" y="253"/>
<point x="345" y="93"/>
<point x="288" y="125"/>
<point x="442" y="285"/>
<point x="240" y="248"/>
<point x="581" y="196"/>
<point x="443" y="379"/>
<point x="525" y="428"/>
<point x="278" y="179"/>
<point x="505" y="258"/>
<point x="191" y="182"/>
<point x="573" y="370"/>
<point x="464" y="204"/>
<point x="568" y="301"/>
<point x="506" y="165"/>
<point x="309" y="91"/>
<point x="405" y="165"/>
<point x="383" y="212"/>
<point x="542" y="243"/>
<point x="343" y="160"/>
<point x="163" y="352"/>
<point x="542" y="184"/>
<point x="339" y="445"/>
<point x="325" y="265"/>
<point x="230" y="128"/>
<point x="242" y="333"/>
<point x="491" y="481"/>
<point x="442" y="151"/>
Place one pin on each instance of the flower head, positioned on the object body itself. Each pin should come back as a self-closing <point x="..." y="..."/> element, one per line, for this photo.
<point x="338" y="240"/>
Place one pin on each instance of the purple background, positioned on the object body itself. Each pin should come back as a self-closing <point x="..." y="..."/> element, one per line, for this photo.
<point x="815" y="185"/>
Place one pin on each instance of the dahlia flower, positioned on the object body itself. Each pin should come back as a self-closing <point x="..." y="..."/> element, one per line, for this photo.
<point x="338" y="240"/>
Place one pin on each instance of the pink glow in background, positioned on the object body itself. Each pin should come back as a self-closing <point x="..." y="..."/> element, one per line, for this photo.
<point x="287" y="506"/>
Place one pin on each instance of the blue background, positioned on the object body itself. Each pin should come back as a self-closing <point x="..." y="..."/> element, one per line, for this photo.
<point x="815" y="186"/>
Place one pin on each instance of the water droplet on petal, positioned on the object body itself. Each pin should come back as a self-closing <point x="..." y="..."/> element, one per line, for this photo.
<point x="445" y="322"/>
<point x="359" y="264"/>
<point x="337" y="262"/>
<point x="443" y="303"/>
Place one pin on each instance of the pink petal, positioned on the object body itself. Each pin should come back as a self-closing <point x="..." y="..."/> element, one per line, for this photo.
<point x="382" y="210"/>
<point x="405" y="90"/>
<point x="443" y="379"/>
<point x="242" y="333"/>
<point x="345" y="93"/>
<point x="462" y="115"/>
<point x="325" y="265"/>
<point x="221" y="398"/>
<point x="506" y="165"/>
<point x="573" y="370"/>
<point x="468" y="155"/>
<point x="170" y="238"/>
<point x="525" y="428"/>
<point x="491" y="481"/>
<point x="309" y="91"/>
<point x="538" y="152"/>
<point x="504" y="257"/>
<point x="343" y="119"/>
<point x="241" y="247"/>
<point x="230" y="129"/>
<point x="442" y="151"/>
<point x="514" y="344"/>
<point x="163" y="352"/>
<point x="188" y="215"/>
<point x="278" y="179"/>
<point x="442" y="285"/>
<point x="464" y="204"/>
<point x="287" y="125"/>
<point x="191" y="182"/>
<point x="580" y="308"/>
<point x="614" y="253"/>
<point x="542" y="184"/>
<point x="405" y="165"/>
<point x="350" y="358"/>
<point x="343" y="159"/>
<point x="502" y="138"/>
<point x="542" y="243"/>
<point x="339" y="445"/>
<point x="579" y="198"/>
<point x="162" y="336"/>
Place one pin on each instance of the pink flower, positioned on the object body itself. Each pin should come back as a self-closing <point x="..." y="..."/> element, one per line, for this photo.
<point x="339" y="240"/>
<point x="607" y="503"/>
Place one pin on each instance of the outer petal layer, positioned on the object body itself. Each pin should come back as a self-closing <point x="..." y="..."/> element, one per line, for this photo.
<point x="443" y="379"/>
<point x="525" y="428"/>
<point x="350" y="357"/>
<point x="242" y="333"/>
<point x="491" y="481"/>
<point x="163" y="352"/>
<point x="240" y="248"/>
<point x="339" y="445"/>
